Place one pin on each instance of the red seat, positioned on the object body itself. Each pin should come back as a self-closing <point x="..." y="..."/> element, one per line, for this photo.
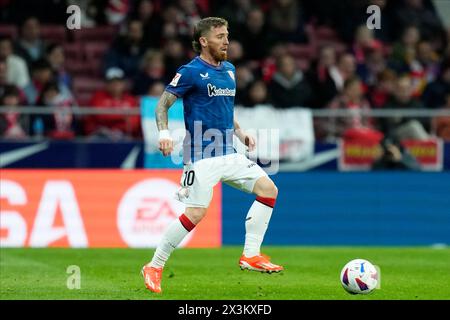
<point x="301" y="51"/>
<point x="87" y="84"/>
<point x="8" y="30"/>
<point x="325" y="33"/>
<point x="53" y="33"/>
<point x="101" y="34"/>
<point x="339" y="47"/>
<point x="95" y="50"/>
<point x="73" y="51"/>
<point x="84" y="88"/>
<point x="78" y="68"/>
<point x="94" y="53"/>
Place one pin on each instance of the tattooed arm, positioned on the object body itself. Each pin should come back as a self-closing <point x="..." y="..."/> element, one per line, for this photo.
<point x="165" y="102"/>
<point x="162" y="121"/>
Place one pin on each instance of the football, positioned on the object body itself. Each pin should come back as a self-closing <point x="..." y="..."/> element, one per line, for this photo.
<point x="359" y="276"/>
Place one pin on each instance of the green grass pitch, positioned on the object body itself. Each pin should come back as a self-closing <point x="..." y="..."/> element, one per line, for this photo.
<point x="407" y="273"/>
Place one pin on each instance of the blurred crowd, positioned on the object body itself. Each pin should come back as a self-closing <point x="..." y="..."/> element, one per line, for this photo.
<point x="315" y="54"/>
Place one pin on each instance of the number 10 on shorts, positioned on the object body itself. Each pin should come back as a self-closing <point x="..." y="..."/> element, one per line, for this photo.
<point x="188" y="178"/>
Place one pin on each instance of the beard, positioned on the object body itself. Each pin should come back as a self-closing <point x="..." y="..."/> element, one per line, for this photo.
<point x="218" y="55"/>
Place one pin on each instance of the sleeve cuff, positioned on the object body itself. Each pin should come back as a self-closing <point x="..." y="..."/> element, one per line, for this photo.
<point x="173" y="92"/>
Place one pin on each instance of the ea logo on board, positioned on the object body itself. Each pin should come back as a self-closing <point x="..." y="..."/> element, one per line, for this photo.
<point x="146" y="210"/>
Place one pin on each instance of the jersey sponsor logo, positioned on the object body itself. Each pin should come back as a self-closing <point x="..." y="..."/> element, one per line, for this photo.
<point x="231" y="74"/>
<point x="215" y="92"/>
<point x="175" y="79"/>
<point x="204" y="76"/>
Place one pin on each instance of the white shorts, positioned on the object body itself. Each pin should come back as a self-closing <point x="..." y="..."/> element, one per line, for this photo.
<point x="200" y="177"/>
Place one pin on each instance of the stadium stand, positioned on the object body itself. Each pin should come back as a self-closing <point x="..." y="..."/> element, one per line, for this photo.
<point x="166" y="25"/>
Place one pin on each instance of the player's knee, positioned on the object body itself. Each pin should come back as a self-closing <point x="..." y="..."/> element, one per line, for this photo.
<point x="273" y="191"/>
<point x="268" y="189"/>
<point x="195" y="214"/>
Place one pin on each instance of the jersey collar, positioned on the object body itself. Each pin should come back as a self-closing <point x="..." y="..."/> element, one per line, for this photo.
<point x="219" y="67"/>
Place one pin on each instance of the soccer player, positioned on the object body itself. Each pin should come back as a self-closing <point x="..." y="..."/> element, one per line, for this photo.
<point x="207" y="87"/>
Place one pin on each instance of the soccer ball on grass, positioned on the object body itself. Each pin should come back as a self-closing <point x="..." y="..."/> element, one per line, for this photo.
<point x="359" y="276"/>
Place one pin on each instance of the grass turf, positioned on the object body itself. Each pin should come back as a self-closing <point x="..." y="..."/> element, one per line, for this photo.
<point x="310" y="273"/>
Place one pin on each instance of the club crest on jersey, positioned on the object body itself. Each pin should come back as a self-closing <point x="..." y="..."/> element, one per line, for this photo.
<point x="204" y="76"/>
<point x="231" y="74"/>
<point x="175" y="79"/>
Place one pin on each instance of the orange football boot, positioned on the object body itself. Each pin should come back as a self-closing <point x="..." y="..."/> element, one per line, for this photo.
<point x="152" y="278"/>
<point x="259" y="263"/>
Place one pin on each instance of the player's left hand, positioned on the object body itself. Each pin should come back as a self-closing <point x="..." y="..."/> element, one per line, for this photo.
<point x="246" y="139"/>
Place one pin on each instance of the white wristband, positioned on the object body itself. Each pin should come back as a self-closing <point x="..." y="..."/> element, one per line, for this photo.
<point x="165" y="134"/>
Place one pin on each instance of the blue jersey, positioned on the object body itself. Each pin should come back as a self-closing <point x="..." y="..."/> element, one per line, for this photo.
<point x="208" y="99"/>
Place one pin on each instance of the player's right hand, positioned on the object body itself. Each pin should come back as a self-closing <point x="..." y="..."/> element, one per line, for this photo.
<point x="165" y="142"/>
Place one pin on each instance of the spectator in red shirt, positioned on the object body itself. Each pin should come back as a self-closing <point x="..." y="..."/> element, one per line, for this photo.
<point x="441" y="125"/>
<point x="114" y="126"/>
<point x="384" y="87"/>
<point x="364" y="43"/>
<point x="351" y="98"/>
<point x="13" y="124"/>
<point x="61" y="124"/>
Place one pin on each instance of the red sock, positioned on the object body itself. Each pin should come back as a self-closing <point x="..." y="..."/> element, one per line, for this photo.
<point x="187" y="224"/>
<point x="270" y="202"/>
